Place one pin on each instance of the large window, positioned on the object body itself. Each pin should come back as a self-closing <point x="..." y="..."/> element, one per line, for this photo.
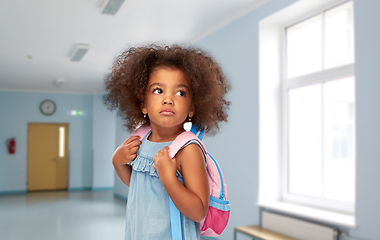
<point x="318" y="90"/>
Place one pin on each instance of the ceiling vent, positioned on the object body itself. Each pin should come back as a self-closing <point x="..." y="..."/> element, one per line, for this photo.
<point x="111" y="7"/>
<point x="79" y="52"/>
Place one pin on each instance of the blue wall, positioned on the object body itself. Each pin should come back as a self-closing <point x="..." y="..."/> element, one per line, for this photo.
<point x="367" y="39"/>
<point x="104" y="129"/>
<point x="17" y="109"/>
<point x="236" y="147"/>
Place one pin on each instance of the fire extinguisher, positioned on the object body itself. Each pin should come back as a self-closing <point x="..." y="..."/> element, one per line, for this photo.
<point x="11" y="144"/>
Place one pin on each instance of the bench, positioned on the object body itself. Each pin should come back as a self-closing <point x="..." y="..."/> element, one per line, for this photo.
<point x="257" y="232"/>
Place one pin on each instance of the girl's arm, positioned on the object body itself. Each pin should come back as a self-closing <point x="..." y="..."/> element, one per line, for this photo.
<point x="192" y="198"/>
<point x="123" y="155"/>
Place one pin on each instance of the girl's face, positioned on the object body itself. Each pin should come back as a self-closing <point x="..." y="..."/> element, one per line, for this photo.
<point x="168" y="98"/>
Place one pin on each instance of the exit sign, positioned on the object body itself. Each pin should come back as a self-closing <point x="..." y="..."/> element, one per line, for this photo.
<point x="76" y="113"/>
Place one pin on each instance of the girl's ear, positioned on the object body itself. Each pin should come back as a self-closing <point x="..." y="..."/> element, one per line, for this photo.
<point x="192" y="111"/>
<point x="143" y="108"/>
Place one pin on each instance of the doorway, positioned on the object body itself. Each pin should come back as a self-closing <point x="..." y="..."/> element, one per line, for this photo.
<point x="47" y="156"/>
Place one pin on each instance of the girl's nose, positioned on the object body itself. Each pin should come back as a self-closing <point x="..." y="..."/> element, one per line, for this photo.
<point x="168" y="101"/>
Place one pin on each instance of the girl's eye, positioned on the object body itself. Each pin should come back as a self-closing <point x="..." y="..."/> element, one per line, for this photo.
<point x="181" y="93"/>
<point x="157" y="91"/>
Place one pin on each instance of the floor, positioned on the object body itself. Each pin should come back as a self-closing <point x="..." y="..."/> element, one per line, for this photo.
<point x="62" y="215"/>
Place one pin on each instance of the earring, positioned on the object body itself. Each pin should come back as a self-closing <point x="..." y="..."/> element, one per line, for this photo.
<point x="144" y="115"/>
<point x="189" y="119"/>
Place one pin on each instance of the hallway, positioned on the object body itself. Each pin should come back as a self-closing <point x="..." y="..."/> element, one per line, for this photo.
<point x="62" y="215"/>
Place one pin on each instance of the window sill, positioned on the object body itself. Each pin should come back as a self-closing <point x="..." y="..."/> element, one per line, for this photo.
<point x="339" y="219"/>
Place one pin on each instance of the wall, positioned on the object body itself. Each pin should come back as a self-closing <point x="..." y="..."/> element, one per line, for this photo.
<point x="367" y="38"/>
<point x="236" y="48"/>
<point x="104" y="125"/>
<point x="235" y="147"/>
<point x="17" y="109"/>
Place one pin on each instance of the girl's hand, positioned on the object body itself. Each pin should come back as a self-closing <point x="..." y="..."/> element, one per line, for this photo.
<point x="126" y="152"/>
<point x="165" y="167"/>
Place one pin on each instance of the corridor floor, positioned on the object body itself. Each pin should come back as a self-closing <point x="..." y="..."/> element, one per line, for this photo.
<point x="61" y="215"/>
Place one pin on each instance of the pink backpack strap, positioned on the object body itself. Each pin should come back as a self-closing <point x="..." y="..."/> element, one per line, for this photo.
<point x="175" y="215"/>
<point x="181" y="140"/>
<point x="142" y="131"/>
<point x="178" y="142"/>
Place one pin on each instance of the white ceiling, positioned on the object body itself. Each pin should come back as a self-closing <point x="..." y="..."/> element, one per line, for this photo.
<point x="38" y="37"/>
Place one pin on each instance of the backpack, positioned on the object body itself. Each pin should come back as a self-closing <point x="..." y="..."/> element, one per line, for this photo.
<point x="219" y="207"/>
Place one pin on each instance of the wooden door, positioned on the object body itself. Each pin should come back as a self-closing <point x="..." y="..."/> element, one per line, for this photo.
<point x="47" y="156"/>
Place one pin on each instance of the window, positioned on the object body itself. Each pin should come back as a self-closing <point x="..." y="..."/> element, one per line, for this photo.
<point x="319" y="110"/>
<point x="61" y="141"/>
<point x="307" y="111"/>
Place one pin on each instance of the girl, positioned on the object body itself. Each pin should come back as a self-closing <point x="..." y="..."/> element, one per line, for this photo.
<point x="165" y="86"/>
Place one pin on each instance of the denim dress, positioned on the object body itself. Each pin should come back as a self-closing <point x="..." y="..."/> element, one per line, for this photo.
<point x="148" y="214"/>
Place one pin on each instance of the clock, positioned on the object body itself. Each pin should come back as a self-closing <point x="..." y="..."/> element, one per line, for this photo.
<point x="47" y="107"/>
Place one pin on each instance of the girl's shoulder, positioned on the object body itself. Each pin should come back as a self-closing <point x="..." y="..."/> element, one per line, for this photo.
<point x="190" y="156"/>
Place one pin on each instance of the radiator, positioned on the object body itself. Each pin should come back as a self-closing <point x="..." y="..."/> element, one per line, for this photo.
<point x="296" y="228"/>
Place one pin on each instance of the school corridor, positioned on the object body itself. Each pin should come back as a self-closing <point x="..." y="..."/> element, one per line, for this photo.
<point x="62" y="215"/>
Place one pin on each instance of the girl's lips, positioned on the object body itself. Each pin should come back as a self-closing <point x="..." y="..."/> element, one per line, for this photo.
<point x="167" y="112"/>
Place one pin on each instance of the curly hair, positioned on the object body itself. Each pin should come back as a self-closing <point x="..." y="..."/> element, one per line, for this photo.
<point x="127" y="82"/>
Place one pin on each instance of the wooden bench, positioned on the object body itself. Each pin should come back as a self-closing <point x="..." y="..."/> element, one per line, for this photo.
<point x="257" y="232"/>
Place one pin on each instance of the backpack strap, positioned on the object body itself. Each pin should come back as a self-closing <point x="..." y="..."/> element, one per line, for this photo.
<point x="181" y="140"/>
<point x="142" y="131"/>
<point x="178" y="142"/>
<point x="199" y="133"/>
<point x="175" y="215"/>
<point x="175" y="221"/>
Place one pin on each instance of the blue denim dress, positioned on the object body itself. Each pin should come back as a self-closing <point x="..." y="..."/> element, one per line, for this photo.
<point x="148" y="215"/>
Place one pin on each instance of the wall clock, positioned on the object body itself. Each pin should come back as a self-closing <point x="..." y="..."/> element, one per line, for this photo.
<point x="48" y="107"/>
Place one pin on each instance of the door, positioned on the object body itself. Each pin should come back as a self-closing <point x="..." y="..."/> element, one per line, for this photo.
<point x="47" y="156"/>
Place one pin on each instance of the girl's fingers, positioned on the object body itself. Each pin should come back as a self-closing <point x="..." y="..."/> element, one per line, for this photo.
<point x="162" y="162"/>
<point x="160" y="154"/>
<point x="156" y="158"/>
<point x="154" y="161"/>
<point x="134" y="149"/>
<point x="133" y="144"/>
<point x="130" y="140"/>
<point x="165" y="150"/>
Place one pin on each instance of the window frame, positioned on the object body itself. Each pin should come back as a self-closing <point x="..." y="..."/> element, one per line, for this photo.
<point x="320" y="77"/>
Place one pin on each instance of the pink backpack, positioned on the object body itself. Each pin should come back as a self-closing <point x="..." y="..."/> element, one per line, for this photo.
<point x="219" y="207"/>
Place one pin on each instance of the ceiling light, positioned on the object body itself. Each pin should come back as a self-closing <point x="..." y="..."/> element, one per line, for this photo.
<point x="58" y="82"/>
<point x="79" y="52"/>
<point x="111" y="7"/>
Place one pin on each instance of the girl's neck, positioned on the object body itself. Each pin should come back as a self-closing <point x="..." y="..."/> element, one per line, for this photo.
<point x="164" y="134"/>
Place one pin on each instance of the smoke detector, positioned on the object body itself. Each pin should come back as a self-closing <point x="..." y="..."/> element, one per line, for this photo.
<point x="111" y="7"/>
<point x="59" y="82"/>
<point x="79" y="52"/>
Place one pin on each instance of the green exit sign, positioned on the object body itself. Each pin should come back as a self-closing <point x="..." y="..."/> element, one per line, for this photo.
<point x="76" y="113"/>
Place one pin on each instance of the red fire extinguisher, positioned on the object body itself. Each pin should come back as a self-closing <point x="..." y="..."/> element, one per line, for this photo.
<point x="11" y="144"/>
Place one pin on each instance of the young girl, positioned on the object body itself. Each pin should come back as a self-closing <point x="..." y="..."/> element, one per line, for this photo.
<point x="165" y="86"/>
